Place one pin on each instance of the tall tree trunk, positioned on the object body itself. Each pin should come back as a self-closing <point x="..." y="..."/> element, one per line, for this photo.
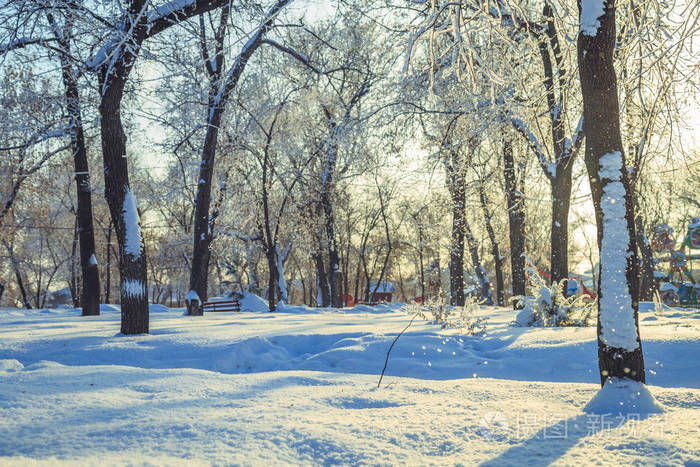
<point x="420" y="263"/>
<point x="619" y="345"/>
<point x="333" y="256"/>
<point x="199" y="274"/>
<point x="495" y="252"/>
<point x="73" y="281"/>
<point x="22" y="290"/>
<point x="323" y="297"/>
<point x="273" y="278"/>
<point x="561" y="198"/>
<point x="456" y="188"/>
<point x="123" y="209"/>
<point x="331" y="149"/>
<point x="515" y="201"/>
<point x="113" y="75"/>
<point x="90" y="292"/>
<point x="108" y="279"/>
<point x="559" y="172"/>
<point x="646" y="280"/>
<point x="221" y="87"/>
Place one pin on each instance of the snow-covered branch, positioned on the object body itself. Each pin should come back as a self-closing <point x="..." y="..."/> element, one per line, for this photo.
<point x="549" y="168"/>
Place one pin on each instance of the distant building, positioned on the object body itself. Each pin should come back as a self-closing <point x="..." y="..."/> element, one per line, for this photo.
<point x="59" y="298"/>
<point x="384" y="292"/>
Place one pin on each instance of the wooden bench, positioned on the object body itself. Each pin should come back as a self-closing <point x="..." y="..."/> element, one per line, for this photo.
<point x="222" y="305"/>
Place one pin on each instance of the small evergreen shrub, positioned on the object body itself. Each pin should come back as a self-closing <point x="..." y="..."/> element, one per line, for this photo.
<point x="547" y="306"/>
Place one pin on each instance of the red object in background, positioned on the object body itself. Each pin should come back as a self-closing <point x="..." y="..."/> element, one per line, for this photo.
<point x="348" y="300"/>
<point x="417" y="299"/>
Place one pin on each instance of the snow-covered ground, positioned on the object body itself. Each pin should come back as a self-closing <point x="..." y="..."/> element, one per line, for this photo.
<point x="299" y="387"/>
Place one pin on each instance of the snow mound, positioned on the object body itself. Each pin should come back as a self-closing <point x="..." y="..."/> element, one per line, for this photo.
<point x="106" y="307"/>
<point x="10" y="365"/>
<point x="623" y="397"/>
<point x="253" y="303"/>
<point x="525" y="317"/>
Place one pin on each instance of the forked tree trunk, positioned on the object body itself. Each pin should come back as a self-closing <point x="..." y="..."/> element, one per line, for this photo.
<point x="619" y="346"/>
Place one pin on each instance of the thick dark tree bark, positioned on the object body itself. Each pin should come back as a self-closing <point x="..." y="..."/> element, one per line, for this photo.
<point x="330" y="148"/>
<point x="90" y="292"/>
<point x="602" y="129"/>
<point x="132" y="259"/>
<point x="132" y="264"/>
<point x="273" y="279"/>
<point x="515" y="201"/>
<point x="495" y="251"/>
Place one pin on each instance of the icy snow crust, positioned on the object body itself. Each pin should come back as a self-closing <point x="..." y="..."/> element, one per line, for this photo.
<point x="616" y="313"/>
<point x="299" y="387"/>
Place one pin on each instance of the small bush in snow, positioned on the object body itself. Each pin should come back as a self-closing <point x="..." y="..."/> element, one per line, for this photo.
<point x="463" y="319"/>
<point x="547" y="306"/>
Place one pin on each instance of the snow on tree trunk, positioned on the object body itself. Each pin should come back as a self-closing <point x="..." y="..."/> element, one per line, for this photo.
<point x="617" y="323"/>
<point x="619" y="346"/>
<point x="122" y="206"/>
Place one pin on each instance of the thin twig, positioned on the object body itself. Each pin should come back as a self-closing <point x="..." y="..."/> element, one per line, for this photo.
<point x="386" y="362"/>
